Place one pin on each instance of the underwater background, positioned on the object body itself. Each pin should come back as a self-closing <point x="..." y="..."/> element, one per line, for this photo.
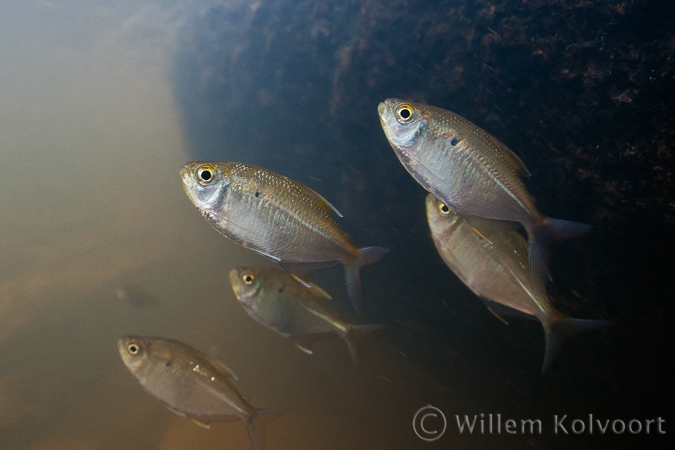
<point x="101" y="103"/>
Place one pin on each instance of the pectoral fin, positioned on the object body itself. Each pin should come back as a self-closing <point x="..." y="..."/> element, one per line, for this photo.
<point x="222" y="367"/>
<point x="312" y="288"/>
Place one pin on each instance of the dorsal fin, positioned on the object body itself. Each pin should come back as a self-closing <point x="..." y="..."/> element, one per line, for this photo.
<point x="511" y="158"/>
<point x="220" y="366"/>
<point x="320" y="201"/>
<point x="313" y="289"/>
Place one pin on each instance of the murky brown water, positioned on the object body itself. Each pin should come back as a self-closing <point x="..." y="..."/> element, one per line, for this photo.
<point x="91" y="141"/>
<point x="91" y="148"/>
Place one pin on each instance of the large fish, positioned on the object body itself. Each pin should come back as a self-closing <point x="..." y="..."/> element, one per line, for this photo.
<point x="492" y="262"/>
<point x="192" y="384"/>
<point x="472" y="172"/>
<point x="276" y="217"/>
<point x="293" y="308"/>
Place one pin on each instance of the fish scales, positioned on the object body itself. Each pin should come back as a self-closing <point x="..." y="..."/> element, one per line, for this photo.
<point x="276" y="217"/>
<point x="472" y="172"/>
<point x="492" y="261"/>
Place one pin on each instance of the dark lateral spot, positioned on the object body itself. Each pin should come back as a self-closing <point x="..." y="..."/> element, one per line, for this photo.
<point x="281" y="290"/>
<point x="168" y="364"/>
<point x="454" y="141"/>
<point x="257" y="194"/>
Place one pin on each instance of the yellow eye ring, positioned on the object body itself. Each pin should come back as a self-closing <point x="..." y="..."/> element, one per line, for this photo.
<point x="443" y="209"/>
<point x="248" y="278"/>
<point x="404" y="113"/>
<point x="206" y="174"/>
<point x="133" y="348"/>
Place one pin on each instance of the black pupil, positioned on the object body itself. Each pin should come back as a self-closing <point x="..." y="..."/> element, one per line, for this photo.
<point x="405" y="113"/>
<point x="444" y="209"/>
<point x="206" y="175"/>
<point x="247" y="278"/>
<point x="133" y="349"/>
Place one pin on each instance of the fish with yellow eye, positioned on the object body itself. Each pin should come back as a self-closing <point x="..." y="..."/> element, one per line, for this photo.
<point x="294" y="308"/>
<point x="472" y="172"/>
<point x="192" y="384"/>
<point x="278" y="218"/>
<point x="491" y="260"/>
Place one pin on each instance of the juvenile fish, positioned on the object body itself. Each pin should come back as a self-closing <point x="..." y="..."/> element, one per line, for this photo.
<point x="293" y="308"/>
<point x="472" y="172"/>
<point x="276" y="217"/>
<point x="192" y="384"/>
<point x="493" y="263"/>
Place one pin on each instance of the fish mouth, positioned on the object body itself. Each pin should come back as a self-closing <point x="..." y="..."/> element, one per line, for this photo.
<point x="234" y="279"/>
<point x="385" y="118"/>
<point x="381" y="108"/>
<point x="189" y="183"/>
<point x="185" y="175"/>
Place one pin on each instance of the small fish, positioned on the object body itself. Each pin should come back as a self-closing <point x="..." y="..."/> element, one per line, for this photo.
<point x="293" y="308"/>
<point x="493" y="264"/>
<point x="472" y="172"/>
<point x="192" y="384"/>
<point x="276" y="217"/>
<point x="135" y="295"/>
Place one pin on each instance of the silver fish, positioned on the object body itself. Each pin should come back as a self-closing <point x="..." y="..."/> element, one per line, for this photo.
<point x="293" y="308"/>
<point x="276" y="217"/>
<point x="472" y="172"/>
<point x="192" y="384"/>
<point x="493" y="263"/>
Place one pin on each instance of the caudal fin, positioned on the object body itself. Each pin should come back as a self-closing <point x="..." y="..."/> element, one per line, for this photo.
<point x="353" y="335"/>
<point x="557" y="331"/>
<point x="256" y="422"/>
<point x="365" y="257"/>
<point x="539" y="242"/>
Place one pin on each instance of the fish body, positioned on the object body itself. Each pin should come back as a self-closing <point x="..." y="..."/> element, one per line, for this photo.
<point x="276" y="217"/>
<point x="493" y="263"/>
<point x="191" y="383"/>
<point x="471" y="172"/>
<point x="293" y="308"/>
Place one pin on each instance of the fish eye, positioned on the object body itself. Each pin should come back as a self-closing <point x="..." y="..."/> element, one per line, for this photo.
<point x="443" y="209"/>
<point x="404" y="113"/>
<point x="133" y="348"/>
<point x="205" y="174"/>
<point x="248" y="278"/>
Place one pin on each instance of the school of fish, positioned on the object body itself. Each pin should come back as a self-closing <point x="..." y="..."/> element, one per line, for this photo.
<point x="476" y="203"/>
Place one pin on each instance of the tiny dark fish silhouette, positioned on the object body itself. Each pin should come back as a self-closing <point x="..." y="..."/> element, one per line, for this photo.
<point x="136" y="295"/>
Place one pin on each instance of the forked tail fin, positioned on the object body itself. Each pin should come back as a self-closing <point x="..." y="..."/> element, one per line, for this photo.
<point x="353" y="335"/>
<point x="256" y="422"/>
<point x="557" y="331"/>
<point x="365" y="257"/>
<point x="539" y="242"/>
